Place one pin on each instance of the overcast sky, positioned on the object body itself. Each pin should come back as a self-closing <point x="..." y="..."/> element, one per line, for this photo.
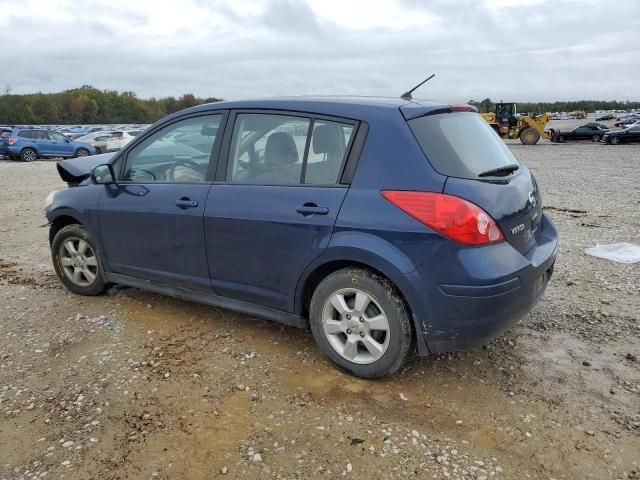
<point x="503" y="49"/>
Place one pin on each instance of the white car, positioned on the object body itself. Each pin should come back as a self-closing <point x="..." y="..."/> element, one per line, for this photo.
<point x="120" y="138"/>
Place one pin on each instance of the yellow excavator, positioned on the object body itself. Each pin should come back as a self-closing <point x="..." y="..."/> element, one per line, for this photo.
<point x="529" y="129"/>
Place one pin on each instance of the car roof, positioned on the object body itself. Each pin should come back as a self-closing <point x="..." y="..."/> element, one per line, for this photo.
<point x="355" y="107"/>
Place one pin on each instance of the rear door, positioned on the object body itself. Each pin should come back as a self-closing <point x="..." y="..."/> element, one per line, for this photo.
<point x="482" y="169"/>
<point x="276" y="199"/>
<point x="152" y="226"/>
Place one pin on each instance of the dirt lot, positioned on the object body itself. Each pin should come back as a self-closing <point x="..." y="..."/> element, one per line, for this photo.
<point x="136" y="385"/>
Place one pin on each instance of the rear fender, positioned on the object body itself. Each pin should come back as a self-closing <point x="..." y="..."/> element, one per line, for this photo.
<point x="377" y="254"/>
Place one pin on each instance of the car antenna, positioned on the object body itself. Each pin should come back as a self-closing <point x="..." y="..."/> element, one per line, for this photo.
<point x="407" y="95"/>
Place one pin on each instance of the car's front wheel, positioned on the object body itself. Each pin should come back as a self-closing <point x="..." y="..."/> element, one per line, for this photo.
<point x="28" y="155"/>
<point x="360" y="321"/>
<point x="614" y="140"/>
<point x="76" y="261"/>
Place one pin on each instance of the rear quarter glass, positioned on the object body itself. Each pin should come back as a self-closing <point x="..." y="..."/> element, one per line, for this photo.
<point x="460" y="144"/>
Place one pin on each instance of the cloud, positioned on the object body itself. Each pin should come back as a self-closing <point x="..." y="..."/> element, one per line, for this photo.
<point x="517" y="50"/>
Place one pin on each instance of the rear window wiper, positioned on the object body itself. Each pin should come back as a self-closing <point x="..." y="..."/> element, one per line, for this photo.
<point x="500" y="172"/>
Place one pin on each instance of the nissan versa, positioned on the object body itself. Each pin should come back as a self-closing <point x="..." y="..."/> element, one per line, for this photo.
<point x="384" y="225"/>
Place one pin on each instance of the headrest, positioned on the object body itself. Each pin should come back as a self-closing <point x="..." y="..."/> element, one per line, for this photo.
<point x="280" y="149"/>
<point x="326" y="139"/>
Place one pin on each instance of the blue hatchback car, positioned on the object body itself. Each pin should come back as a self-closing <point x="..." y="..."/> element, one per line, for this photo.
<point x="385" y="226"/>
<point x="29" y="144"/>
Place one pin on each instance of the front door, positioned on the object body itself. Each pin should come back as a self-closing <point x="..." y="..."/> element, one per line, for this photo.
<point x="61" y="145"/>
<point x="273" y="209"/>
<point x="152" y="228"/>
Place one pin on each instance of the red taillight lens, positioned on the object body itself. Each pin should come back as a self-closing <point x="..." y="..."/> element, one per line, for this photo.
<point x="453" y="217"/>
<point x="12" y="140"/>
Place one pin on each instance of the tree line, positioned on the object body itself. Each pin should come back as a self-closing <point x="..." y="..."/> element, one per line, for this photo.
<point x="88" y="105"/>
<point x="487" y="105"/>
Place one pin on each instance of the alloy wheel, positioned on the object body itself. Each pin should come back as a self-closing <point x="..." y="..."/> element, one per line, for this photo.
<point x="78" y="261"/>
<point x="356" y="326"/>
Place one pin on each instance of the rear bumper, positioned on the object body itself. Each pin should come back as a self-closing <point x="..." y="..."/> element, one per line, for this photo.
<point x="8" y="150"/>
<point x="502" y="286"/>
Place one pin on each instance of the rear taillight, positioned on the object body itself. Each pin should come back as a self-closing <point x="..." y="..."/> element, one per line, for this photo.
<point x="453" y="217"/>
<point x="12" y="140"/>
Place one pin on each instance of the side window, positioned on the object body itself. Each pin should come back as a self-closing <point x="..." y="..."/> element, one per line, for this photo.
<point x="26" y="134"/>
<point x="179" y="152"/>
<point x="55" y="136"/>
<point x="329" y="145"/>
<point x="267" y="149"/>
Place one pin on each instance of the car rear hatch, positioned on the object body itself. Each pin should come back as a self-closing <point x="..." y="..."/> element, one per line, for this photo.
<point x="4" y="137"/>
<point x="481" y="169"/>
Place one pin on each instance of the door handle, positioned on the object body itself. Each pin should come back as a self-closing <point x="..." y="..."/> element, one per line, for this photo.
<point x="186" y="202"/>
<point x="309" y="209"/>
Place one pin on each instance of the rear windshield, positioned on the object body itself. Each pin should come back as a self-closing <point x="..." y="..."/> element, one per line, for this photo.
<point x="5" y="133"/>
<point x="461" y="144"/>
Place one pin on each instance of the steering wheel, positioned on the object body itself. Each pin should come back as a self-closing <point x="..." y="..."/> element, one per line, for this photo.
<point x="182" y="161"/>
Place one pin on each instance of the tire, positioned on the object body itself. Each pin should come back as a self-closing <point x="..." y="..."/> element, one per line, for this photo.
<point x="561" y="139"/>
<point x="595" y="138"/>
<point x="529" y="136"/>
<point x="90" y="279"/>
<point x="98" y="150"/>
<point x="82" y="152"/>
<point x="614" y="140"/>
<point x="28" y="155"/>
<point x="391" y="342"/>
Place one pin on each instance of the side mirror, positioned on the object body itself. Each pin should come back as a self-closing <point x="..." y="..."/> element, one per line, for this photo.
<point x="103" y="175"/>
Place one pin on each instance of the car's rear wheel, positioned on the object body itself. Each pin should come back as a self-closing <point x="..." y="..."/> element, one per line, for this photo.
<point x="82" y="152"/>
<point x="614" y="140"/>
<point x="76" y="261"/>
<point x="529" y="136"/>
<point x="360" y="321"/>
<point x="28" y="155"/>
<point x="561" y="139"/>
<point x="595" y="138"/>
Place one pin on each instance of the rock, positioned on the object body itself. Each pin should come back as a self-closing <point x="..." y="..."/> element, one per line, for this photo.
<point x="257" y="457"/>
<point x="224" y="470"/>
<point x="356" y="441"/>
<point x="586" y="363"/>
<point x="630" y="356"/>
<point x="67" y="444"/>
<point x="93" y="440"/>
<point x="591" y="433"/>
<point x="240" y="386"/>
<point x="349" y="468"/>
<point x="414" y="433"/>
<point x="458" y="422"/>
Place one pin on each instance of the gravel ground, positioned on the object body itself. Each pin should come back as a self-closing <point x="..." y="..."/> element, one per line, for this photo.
<point x="136" y="385"/>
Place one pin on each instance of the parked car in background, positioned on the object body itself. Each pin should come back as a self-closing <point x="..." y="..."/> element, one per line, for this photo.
<point x="588" y="131"/>
<point x="97" y="139"/>
<point x="302" y="216"/>
<point x="29" y="144"/>
<point x="562" y="116"/>
<point x="120" y="138"/>
<point x="627" y="121"/>
<point x="605" y="117"/>
<point x="628" y="135"/>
